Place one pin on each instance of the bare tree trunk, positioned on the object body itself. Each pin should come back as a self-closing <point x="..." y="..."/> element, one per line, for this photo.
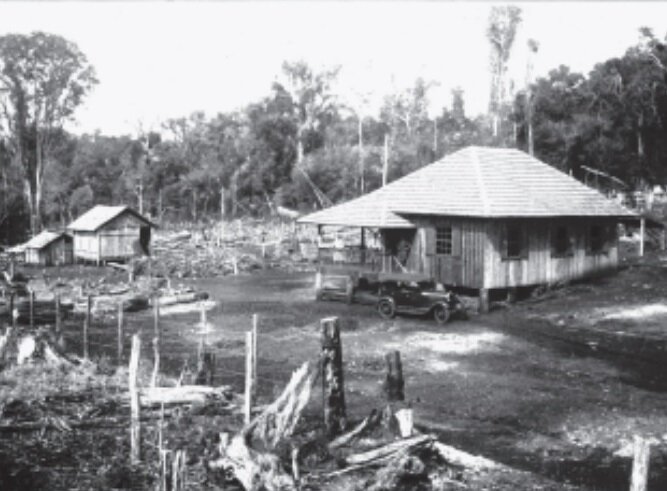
<point x="299" y="146"/>
<point x="140" y="196"/>
<point x="640" y="140"/>
<point x="362" y="183"/>
<point x="531" y="142"/>
<point x="222" y="202"/>
<point x="385" y="163"/>
<point x="435" y="135"/>
<point x="194" y="204"/>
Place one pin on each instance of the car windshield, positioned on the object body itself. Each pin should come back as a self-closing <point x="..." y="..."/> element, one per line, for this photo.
<point x="427" y="285"/>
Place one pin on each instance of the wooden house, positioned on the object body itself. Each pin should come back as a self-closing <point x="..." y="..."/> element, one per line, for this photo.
<point x="487" y="218"/>
<point x="49" y="249"/>
<point x="110" y="233"/>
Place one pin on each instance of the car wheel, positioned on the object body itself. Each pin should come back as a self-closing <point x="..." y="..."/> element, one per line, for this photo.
<point x="441" y="314"/>
<point x="386" y="309"/>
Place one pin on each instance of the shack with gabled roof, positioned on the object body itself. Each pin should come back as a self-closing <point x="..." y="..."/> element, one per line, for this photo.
<point x="487" y="218"/>
<point x="49" y="249"/>
<point x="110" y="233"/>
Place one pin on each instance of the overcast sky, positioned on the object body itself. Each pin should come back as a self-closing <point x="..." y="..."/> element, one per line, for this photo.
<point x="157" y="60"/>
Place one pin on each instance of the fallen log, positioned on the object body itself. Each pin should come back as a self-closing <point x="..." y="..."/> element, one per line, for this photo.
<point x="381" y="453"/>
<point x="184" y="394"/>
<point x="464" y="459"/>
<point x="185" y="297"/>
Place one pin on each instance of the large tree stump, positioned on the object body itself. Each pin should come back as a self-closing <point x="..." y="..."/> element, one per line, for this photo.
<point x="333" y="390"/>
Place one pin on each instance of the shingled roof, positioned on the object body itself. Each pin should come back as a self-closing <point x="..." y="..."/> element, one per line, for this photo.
<point x="100" y="215"/>
<point x="475" y="182"/>
<point x="43" y="239"/>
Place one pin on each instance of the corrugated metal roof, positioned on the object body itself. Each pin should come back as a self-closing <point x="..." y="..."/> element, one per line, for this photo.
<point x="42" y="239"/>
<point x="99" y="215"/>
<point x="475" y="181"/>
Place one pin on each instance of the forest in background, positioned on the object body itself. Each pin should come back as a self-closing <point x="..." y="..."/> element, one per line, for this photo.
<point x="300" y="146"/>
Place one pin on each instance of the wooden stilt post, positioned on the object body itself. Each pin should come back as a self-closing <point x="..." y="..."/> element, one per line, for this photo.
<point x="156" y="343"/>
<point x="135" y="435"/>
<point x="32" y="309"/>
<point x="640" y="464"/>
<point x="483" y="300"/>
<point x="119" y="345"/>
<point x="394" y="383"/>
<point x="247" y="405"/>
<point x="86" y="326"/>
<point x="333" y="390"/>
<point x="60" y="337"/>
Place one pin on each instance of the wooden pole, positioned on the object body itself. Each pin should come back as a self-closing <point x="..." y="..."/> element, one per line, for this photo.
<point x="60" y="338"/>
<point x="86" y="326"/>
<point x="11" y="310"/>
<point x="640" y="464"/>
<point x="247" y="404"/>
<point x="135" y="435"/>
<point x="32" y="309"/>
<point x="119" y="345"/>
<point x="156" y="343"/>
<point x="333" y="390"/>
<point x="255" y="324"/>
<point x="642" y="235"/>
<point x="394" y="383"/>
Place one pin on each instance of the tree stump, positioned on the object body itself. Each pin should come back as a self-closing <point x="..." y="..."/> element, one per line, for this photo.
<point x="332" y="377"/>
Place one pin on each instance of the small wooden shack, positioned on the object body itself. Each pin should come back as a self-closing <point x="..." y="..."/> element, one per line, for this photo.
<point x="110" y="233"/>
<point x="49" y="249"/>
<point x="487" y="218"/>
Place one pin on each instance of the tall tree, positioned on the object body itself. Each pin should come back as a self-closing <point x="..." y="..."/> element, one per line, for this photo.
<point x="501" y="31"/>
<point x="43" y="78"/>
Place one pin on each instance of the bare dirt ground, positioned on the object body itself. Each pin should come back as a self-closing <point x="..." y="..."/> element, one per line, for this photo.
<point x="555" y="386"/>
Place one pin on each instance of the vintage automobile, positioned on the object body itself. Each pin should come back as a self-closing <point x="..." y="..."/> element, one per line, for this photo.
<point x="418" y="295"/>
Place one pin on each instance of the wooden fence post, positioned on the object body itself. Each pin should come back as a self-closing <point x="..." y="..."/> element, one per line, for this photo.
<point x="640" y="464"/>
<point x="60" y="337"/>
<point x="247" y="404"/>
<point x="394" y="383"/>
<point x="333" y="390"/>
<point x="86" y="326"/>
<point x="156" y="343"/>
<point x="32" y="308"/>
<point x="255" y="323"/>
<point x="119" y="345"/>
<point x="11" y="310"/>
<point x="135" y="435"/>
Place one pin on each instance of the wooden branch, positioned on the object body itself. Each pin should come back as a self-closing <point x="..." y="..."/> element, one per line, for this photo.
<point x="369" y="421"/>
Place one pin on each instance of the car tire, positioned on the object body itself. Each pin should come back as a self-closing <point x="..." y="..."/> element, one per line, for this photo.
<point x="441" y="314"/>
<point x="386" y="309"/>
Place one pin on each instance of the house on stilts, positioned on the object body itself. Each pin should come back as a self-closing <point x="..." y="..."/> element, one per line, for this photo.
<point x="487" y="219"/>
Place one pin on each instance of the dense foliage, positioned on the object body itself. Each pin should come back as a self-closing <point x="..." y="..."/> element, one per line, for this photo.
<point x="301" y="147"/>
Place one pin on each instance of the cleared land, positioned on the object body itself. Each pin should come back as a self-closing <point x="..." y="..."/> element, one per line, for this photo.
<point x="556" y="386"/>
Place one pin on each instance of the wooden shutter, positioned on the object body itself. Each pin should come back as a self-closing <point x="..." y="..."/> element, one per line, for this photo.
<point x="429" y="247"/>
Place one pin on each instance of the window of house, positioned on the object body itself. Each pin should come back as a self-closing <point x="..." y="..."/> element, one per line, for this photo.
<point x="515" y="242"/>
<point x="596" y="239"/>
<point x="561" y="244"/>
<point x="443" y="240"/>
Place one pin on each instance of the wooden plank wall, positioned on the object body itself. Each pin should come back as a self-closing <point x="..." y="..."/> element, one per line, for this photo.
<point x="540" y="267"/>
